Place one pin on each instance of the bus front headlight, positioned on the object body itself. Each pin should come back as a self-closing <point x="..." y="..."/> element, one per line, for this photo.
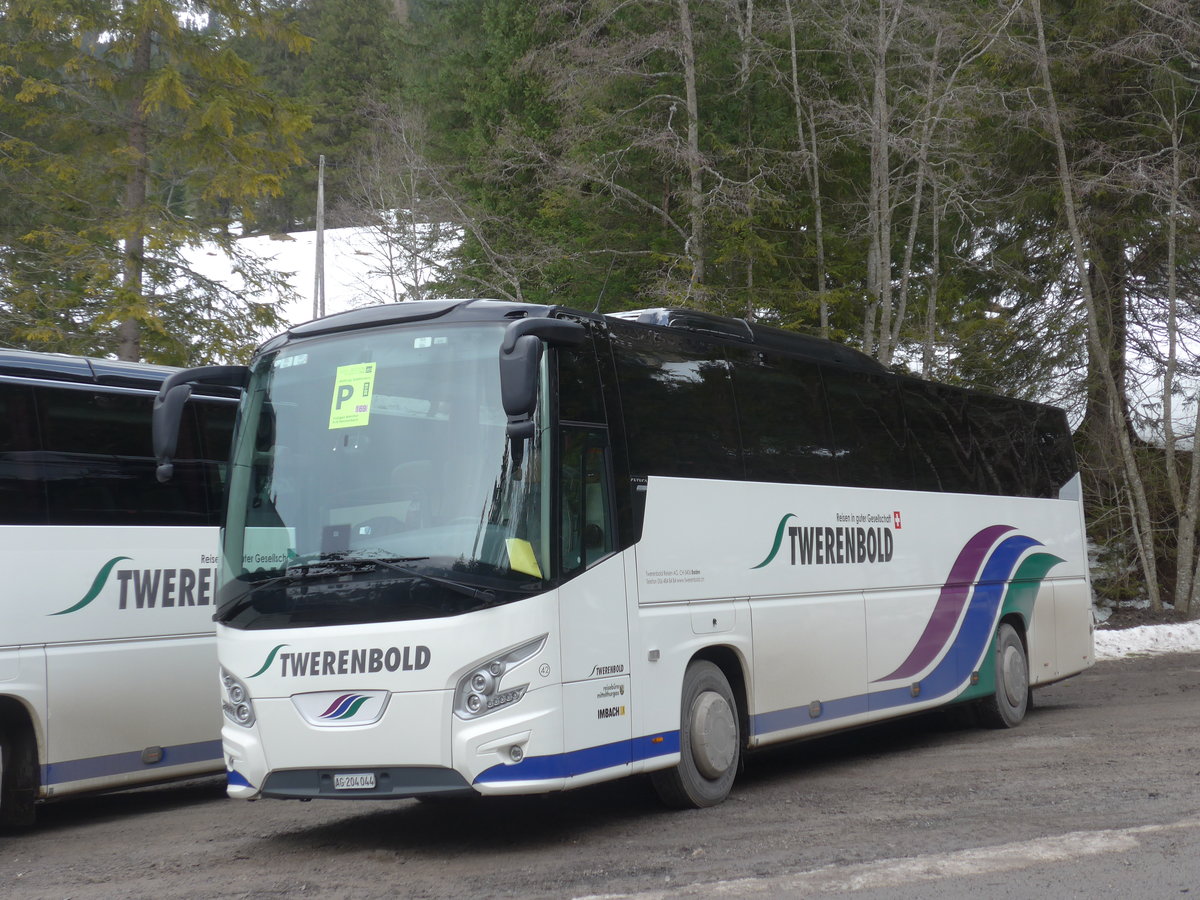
<point x="235" y="702"/>
<point x="479" y="692"/>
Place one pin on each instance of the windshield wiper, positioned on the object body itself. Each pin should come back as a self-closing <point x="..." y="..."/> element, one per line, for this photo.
<point x="309" y="566"/>
<point x="296" y="568"/>
<point x="394" y="563"/>
<point x="480" y="594"/>
<point x="231" y="608"/>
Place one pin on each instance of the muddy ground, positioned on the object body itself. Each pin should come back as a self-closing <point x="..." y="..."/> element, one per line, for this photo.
<point x="1115" y="748"/>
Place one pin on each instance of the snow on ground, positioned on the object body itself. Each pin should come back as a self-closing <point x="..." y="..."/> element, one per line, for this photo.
<point x="1146" y="639"/>
<point x="354" y="270"/>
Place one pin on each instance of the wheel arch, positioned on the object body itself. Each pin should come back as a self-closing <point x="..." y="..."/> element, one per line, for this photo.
<point x="1017" y="620"/>
<point x="733" y="667"/>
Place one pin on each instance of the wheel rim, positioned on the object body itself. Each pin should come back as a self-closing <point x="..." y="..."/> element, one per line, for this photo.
<point x="1016" y="680"/>
<point x="714" y="735"/>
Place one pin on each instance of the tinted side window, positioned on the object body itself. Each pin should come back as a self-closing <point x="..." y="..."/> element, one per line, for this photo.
<point x="587" y="532"/>
<point x="784" y="423"/>
<point x="1054" y="447"/>
<point x="1008" y="455"/>
<point x="97" y="467"/>
<point x="22" y="495"/>
<point x="213" y="423"/>
<point x="867" y="429"/>
<point x="939" y="442"/>
<point x="580" y="397"/>
<point x="677" y="400"/>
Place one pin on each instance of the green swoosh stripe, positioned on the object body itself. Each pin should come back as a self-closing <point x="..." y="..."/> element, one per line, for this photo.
<point x="354" y="707"/>
<point x="270" y="659"/>
<point x="1023" y="588"/>
<point x="778" y="540"/>
<point x="96" y="588"/>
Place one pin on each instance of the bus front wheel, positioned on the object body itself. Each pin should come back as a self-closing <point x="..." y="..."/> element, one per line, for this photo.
<point x="709" y="742"/>
<point x="1007" y="705"/>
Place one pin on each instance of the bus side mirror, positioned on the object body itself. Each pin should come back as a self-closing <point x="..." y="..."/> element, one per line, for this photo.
<point x="173" y="395"/>
<point x="519" y="384"/>
<point x="520" y="356"/>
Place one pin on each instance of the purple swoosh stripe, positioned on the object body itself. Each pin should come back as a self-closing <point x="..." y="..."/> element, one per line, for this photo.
<point x="949" y="604"/>
<point x="335" y="704"/>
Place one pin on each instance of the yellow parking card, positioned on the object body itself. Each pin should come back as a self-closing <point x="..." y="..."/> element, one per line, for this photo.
<point x="352" y="391"/>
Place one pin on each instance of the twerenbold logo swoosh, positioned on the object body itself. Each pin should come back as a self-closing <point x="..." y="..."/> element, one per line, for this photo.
<point x="97" y="586"/>
<point x="976" y="573"/>
<point x="344" y="707"/>
<point x="778" y="540"/>
<point x="270" y="659"/>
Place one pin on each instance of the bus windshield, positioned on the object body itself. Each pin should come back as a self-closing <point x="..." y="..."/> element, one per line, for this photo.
<point x="377" y="462"/>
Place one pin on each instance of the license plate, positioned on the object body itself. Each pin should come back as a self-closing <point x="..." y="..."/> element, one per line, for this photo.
<point x="356" y="781"/>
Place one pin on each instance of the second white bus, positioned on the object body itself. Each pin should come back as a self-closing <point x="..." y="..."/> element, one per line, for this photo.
<point x="106" y="633"/>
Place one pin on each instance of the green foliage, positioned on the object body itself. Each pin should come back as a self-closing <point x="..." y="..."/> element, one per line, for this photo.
<point x="359" y="51"/>
<point x="132" y="132"/>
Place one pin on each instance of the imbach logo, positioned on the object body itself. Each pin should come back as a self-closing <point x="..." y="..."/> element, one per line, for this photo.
<point x="836" y="545"/>
<point x="148" y="588"/>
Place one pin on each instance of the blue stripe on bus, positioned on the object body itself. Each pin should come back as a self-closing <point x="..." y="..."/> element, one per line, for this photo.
<point x="125" y="763"/>
<point x="948" y="676"/>
<point x="951" y="673"/>
<point x="580" y="762"/>
<point x="234" y="778"/>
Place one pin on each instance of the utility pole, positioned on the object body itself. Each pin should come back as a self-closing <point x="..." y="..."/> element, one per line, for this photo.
<point x="319" y="268"/>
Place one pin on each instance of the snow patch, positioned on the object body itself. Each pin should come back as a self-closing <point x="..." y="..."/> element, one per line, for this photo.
<point x="1147" y="639"/>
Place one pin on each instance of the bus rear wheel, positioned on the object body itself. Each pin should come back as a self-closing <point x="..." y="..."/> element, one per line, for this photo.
<point x="710" y="742"/>
<point x="1007" y="705"/>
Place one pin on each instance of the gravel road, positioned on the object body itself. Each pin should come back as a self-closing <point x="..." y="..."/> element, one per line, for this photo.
<point x="1101" y="782"/>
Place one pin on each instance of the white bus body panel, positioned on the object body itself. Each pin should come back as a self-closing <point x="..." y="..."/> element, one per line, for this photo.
<point x="824" y="640"/>
<point x="418" y="726"/>
<point x="856" y="632"/>
<point x="116" y="652"/>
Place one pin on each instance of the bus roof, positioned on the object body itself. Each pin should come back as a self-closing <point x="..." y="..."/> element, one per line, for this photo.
<point x="63" y="367"/>
<point x="803" y="345"/>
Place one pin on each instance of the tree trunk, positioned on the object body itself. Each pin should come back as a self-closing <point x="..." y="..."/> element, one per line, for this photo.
<point x="931" y="302"/>
<point x="881" y="181"/>
<point x="927" y="126"/>
<point x="1143" y="524"/>
<point x="129" y="343"/>
<point x="812" y="169"/>
<point x="695" y="243"/>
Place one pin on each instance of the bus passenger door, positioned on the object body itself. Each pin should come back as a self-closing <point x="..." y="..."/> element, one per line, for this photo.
<point x="592" y="610"/>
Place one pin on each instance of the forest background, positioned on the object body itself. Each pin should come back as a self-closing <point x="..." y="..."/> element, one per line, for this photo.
<point x="1001" y="194"/>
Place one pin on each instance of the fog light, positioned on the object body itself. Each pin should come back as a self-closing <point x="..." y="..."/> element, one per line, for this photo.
<point x="235" y="703"/>
<point x="516" y="753"/>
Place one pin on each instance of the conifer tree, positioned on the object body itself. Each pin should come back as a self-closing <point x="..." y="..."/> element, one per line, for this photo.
<point x="133" y="131"/>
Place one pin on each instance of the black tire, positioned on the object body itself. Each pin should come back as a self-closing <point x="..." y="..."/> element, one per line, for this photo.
<point x="18" y="780"/>
<point x="1010" y="700"/>
<point x="710" y="742"/>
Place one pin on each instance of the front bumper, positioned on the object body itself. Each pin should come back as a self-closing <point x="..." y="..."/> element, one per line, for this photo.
<point x="418" y="747"/>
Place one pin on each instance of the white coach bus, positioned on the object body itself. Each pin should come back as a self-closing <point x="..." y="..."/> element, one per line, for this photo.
<point x="106" y="634"/>
<point x="477" y="546"/>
